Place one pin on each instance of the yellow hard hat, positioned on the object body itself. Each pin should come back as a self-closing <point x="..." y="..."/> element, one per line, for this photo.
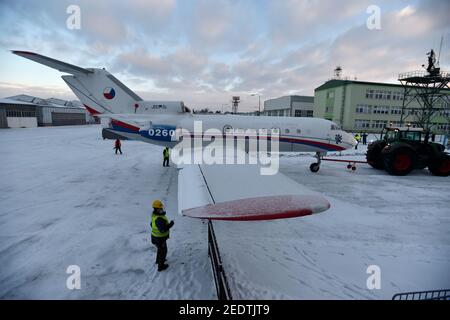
<point x="157" y="204"/>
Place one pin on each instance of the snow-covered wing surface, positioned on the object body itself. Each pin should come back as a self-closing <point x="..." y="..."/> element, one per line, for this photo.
<point x="261" y="208"/>
<point x="192" y="188"/>
<point x="240" y="192"/>
<point x="52" y="63"/>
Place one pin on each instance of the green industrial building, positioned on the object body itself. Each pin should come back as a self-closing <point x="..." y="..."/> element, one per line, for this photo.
<point x="370" y="106"/>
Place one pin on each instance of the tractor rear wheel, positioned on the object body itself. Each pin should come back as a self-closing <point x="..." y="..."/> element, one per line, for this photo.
<point x="400" y="162"/>
<point x="440" y="165"/>
<point x="374" y="157"/>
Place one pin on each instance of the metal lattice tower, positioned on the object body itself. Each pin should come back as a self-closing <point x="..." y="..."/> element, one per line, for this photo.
<point x="236" y="101"/>
<point x="428" y="88"/>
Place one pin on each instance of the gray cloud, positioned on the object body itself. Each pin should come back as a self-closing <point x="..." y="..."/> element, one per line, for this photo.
<point x="206" y="51"/>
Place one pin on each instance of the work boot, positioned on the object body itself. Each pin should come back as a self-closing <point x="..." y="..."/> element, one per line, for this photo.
<point x="163" y="267"/>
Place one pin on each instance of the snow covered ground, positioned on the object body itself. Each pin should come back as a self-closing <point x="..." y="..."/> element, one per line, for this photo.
<point x="400" y="224"/>
<point x="66" y="199"/>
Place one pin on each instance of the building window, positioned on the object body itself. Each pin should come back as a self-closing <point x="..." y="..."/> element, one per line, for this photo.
<point x="384" y="95"/>
<point x="20" y="114"/>
<point x="381" y="109"/>
<point x="379" y="124"/>
<point x="298" y="113"/>
<point x="362" y="124"/>
<point x="377" y="94"/>
<point x="396" y="110"/>
<point x="286" y="130"/>
<point x="363" y="108"/>
<point x="397" y="96"/>
<point x="309" y="113"/>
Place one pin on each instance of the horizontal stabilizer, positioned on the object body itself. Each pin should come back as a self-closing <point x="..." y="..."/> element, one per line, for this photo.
<point x="52" y="63"/>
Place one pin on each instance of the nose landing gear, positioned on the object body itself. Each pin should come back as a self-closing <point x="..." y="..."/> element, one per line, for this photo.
<point x="314" y="167"/>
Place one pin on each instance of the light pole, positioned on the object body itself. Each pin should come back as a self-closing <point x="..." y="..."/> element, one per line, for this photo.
<point x="259" y="102"/>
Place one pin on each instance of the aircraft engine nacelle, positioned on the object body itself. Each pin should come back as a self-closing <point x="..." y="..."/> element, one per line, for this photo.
<point x="159" y="107"/>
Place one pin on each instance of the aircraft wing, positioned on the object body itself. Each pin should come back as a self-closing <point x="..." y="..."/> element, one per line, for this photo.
<point x="235" y="192"/>
<point x="52" y="63"/>
<point x="241" y="193"/>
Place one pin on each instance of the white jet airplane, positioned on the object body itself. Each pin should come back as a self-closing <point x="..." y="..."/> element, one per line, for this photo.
<point x="156" y="122"/>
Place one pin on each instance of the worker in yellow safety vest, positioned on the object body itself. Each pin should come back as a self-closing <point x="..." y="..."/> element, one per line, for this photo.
<point x="166" y="155"/>
<point x="160" y="233"/>
<point x="358" y="139"/>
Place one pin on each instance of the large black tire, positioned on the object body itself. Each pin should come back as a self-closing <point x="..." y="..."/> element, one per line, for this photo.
<point x="314" y="167"/>
<point x="440" y="165"/>
<point x="373" y="155"/>
<point x="399" y="162"/>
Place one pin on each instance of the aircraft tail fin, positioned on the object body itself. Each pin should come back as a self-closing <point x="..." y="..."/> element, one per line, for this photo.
<point x="97" y="89"/>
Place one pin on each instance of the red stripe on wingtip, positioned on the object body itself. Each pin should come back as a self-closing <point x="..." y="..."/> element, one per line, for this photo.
<point x="283" y="215"/>
<point x="261" y="208"/>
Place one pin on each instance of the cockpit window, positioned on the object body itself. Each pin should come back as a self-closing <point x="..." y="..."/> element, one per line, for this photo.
<point x="334" y="126"/>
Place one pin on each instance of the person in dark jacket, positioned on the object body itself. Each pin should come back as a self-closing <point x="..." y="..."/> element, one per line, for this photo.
<point x="118" y="146"/>
<point x="364" y="138"/>
<point x="160" y="233"/>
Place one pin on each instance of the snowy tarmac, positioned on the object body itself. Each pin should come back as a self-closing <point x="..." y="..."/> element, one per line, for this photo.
<point x="66" y="199"/>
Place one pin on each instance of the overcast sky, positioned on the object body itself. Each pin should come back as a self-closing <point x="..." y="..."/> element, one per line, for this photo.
<point x="205" y="51"/>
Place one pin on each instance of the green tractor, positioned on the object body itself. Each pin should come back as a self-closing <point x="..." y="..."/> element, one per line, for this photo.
<point x="403" y="149"/>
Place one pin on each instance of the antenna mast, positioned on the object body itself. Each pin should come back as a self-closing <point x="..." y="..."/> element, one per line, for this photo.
<point x="440" y="48"/>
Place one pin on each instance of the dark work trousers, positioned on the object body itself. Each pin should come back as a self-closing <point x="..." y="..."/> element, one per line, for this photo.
<point x="161" y="252"/>
<point x="166" y="162"/>
<point x="118" y="149"/>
